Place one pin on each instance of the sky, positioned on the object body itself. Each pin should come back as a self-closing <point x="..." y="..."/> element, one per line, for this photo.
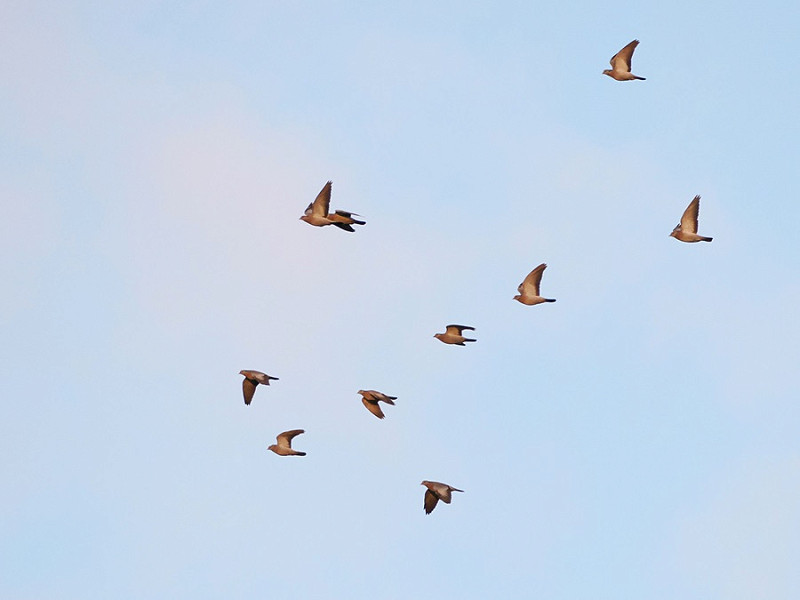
<point x="636" y="439"/>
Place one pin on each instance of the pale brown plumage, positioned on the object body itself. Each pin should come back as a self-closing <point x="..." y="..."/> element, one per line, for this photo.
<point x="284" y="445"/>
<point x="370" y="398"/>
<point x="251" y="381"/>
<point x="318" y="212"/>
<point x="452" y="335"/>
<point x="686" y="230"/>
<point x="529" y="288"/>
<point x="344" y="220"/>
<point x="437" y="491"/>
<point x="621" y="64"/>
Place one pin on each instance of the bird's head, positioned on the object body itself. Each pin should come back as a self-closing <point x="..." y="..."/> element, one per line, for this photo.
<point x="607" y="72"/>
<point x="242" y="373"/>
<point x="272" y="447"/>
<point x="437" y="336"/>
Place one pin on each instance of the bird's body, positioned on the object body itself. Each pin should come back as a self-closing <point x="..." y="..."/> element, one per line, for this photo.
<point x="251" y="380"/>
<point x="370" y="398"/>
<point x="621" y="64"/>
<point x="452" y="335"/>
<point x="686" y="230"/>
<point x="317" y="213"/>
<point x="284" y="445"/>
<point x="529" y="288"/>
<point x="437" y="491"/>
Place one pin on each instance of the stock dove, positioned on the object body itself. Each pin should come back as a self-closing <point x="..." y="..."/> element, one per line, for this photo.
<point x="284" y="445"/>
<point x="529" y="288"/>
<point x="437" y="491"/>
<point x="251" y="380"/>
<point x="686" y="230"/>
<point x="370" y="398"/>
<point x="452" y="335"/>
<point x="317" y="212"/>
<point x="621" y="64"/>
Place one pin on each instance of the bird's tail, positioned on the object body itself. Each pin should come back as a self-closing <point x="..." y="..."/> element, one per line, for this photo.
<point x="637" y="77"/>
<point x="299" y="454"/>
<point x="358" y="222"/>
<point x="469" y="340"/>
<point x="390" y="400"/>
<point x="452" y="489"/>
<point x="706" y="239"/>
<point x="549" y="299"/>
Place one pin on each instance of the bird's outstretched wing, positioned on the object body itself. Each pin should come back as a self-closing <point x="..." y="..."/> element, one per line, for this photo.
<point x="431" y="500"/>
<point x="530" y="285"/>
<point x="690" y="215"/>
<point x="322" y="202"/>
<point x="285" y="438"/>
<point x="621" y="61"/>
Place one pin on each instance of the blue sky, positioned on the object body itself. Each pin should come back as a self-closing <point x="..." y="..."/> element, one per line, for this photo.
<point x="638" y="438"/>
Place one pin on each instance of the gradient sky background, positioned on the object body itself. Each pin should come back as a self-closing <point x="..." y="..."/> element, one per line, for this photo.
<point x="636" y="439"/>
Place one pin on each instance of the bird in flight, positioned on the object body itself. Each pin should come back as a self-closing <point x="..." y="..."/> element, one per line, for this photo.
<point x="621" y="64"/>
<point x="284" y="445"/>
<point x="529" y="288"/>
<point x="437" y="491"/>
<point x="370" y="398"/>
<point x="317" y="212"/>
<point x="452" y="335"/>
<point x="686" y="230"/>
<point x="251" y="380"/>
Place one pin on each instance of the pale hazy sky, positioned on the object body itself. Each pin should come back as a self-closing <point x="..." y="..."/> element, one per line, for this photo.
<point x="637" y="439"/>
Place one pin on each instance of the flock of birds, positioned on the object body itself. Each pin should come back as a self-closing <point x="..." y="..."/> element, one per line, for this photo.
<point x="318" y="214"/>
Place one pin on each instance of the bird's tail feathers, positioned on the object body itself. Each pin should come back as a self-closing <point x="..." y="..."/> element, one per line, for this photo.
<point x="706" y="239"/>
<point x="469" y="340"/>
<point x="549" y="299"/>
